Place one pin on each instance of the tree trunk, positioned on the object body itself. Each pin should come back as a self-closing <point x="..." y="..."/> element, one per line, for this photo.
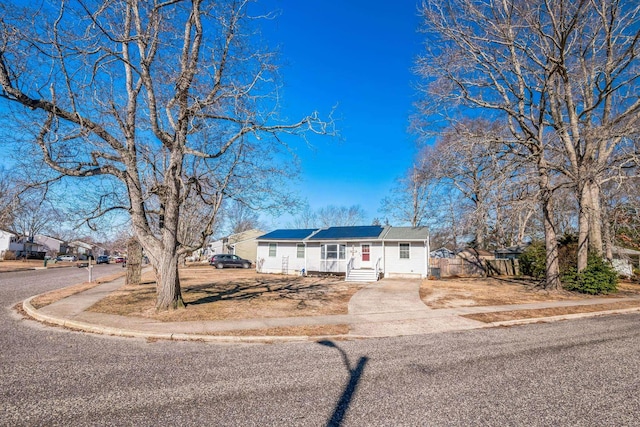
<point x="168" y="282"/>
<point x="595" y="220"/>
<point x="583" y="225"/>
<point x="134" y="262"/>
<point x="590" y="223"/>
<point x="551" y="246"/>
<point x="608" y="240"/>
<point x="552" y="271"/>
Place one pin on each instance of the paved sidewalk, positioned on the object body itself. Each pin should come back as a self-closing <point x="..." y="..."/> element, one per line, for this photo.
<point x="390" y="307"/>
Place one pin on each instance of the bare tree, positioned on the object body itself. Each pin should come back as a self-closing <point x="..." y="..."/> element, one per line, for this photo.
<point x="562" y="74"/>
<point x="240" y="217"/>
<point x="410" y="199"/>
<point x="7" y="199"/>
<point x="337" y="216"/>
<point x="33" y="215"/>
<point x="305" y="218"/>
<point x="169" y="100"/>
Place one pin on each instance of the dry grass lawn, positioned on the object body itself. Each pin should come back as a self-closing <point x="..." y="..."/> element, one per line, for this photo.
<point x="501" y="316"/>
<point x="30" y="264"/>
<point x="212" y="294"/>
<point x="466" y="292"/>
<point x="53" y="296"/>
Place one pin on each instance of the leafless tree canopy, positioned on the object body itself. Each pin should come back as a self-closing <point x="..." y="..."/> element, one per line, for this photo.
<point x="174" y="100"/>
<point x="562" y="75"/>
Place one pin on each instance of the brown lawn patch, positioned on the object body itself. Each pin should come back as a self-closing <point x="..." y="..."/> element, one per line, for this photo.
<point x="547" y="312"/>
<point x="463" y="292"/>
<point x="30" y="264"/>
<point x="53" y="296"/>
<point x="212" y="294"/>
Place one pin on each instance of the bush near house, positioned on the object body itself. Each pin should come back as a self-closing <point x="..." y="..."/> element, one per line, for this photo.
<point x="9" y="256"/>
<point x="598" y="278"/>
<point x="532" y="261"/>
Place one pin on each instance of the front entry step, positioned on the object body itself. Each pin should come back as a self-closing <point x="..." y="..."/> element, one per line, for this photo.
<point x="362" y="275"/>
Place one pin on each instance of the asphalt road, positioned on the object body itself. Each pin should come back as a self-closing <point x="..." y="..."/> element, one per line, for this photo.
<point x="566" y="373"/>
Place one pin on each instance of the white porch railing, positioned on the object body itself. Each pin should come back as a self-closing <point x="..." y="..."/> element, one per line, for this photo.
<point x="350" y="266"/>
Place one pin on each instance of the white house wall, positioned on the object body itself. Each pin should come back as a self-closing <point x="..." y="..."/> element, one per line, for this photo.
<point x="415" y="266"/>
<point x="5" y="240"/>
<point x="267" y="264"/>
<point x="313" y="256"/>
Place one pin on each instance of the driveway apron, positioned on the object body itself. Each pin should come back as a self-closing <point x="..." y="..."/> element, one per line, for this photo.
<point x="393" y="307"/>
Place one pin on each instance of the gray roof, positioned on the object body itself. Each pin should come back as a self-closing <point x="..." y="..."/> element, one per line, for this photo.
<point x="512" y="249"/>
<point x="406" y="233"/>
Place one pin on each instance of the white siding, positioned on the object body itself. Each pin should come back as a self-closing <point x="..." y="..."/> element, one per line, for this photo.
<point x="267" y="264"/>
<point x="5" y="240"/>
<point x="313" y="256"/>
<point x="414" y="266"/>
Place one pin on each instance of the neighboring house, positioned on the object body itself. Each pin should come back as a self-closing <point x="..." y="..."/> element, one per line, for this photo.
<point x="99" y="250"/>
<point x="442" y="253"/>
<point x="625" y="260"/>
<point x="358" y="252"/>
<point x="53" y="246"/>
<point x="6" y="240"/>
<point x="473" y="254"/>
<point x="242" y="244"/>
<point x="216" y="247"/>
<point x="512" y="252"/>
<point x="81" y="249"/>
<point x="21" y="246"/>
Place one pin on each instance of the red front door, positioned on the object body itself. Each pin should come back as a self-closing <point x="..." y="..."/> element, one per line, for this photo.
<point x="365" y="253"/>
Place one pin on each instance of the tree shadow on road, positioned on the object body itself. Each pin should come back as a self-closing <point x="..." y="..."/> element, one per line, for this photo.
<point x="342" y="405"/>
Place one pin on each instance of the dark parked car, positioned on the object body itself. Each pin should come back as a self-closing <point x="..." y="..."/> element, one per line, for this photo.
<point x="228" y="260"/>
<point x="102" y="259"/>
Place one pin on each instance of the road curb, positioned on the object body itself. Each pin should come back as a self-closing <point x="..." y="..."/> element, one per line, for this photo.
<point x="183" y="336"/>
<point x="106" y="330"/>
<point x="560" y="317"/>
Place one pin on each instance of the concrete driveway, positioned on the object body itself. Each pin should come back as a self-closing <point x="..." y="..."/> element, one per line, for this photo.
<point x="393" y="307"/>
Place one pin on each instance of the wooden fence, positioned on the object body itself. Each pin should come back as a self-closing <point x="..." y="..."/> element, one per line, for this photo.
<point x="462" y="267"/>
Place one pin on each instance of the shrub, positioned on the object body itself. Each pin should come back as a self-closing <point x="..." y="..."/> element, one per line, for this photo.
<point x="9" y="256"/>
<point x="533" y="260"/>
<point x="598" y="278"/>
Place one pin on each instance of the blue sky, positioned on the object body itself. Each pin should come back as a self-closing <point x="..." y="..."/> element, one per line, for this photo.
<point x="357" y="55"/>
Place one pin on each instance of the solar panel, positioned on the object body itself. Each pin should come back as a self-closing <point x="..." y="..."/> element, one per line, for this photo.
<point x="354" y="232"/>
<point x="288" y="234"/>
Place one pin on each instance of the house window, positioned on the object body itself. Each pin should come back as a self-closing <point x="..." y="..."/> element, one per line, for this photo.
<point x="300" y="250"/>
<point x="272" y="249"/>
<point x="405" y="250"/>
<point x="333" y="251"/>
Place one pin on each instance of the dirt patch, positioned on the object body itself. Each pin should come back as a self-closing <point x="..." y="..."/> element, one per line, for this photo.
<point x="547" y="312"/>
<point x="211" y="294"/>
<point x="465" y="292"/>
